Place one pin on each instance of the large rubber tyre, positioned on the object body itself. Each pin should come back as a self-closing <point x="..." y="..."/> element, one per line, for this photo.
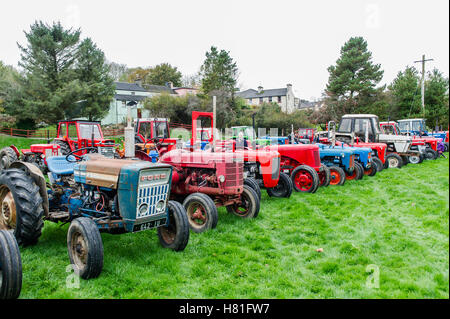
<point x="378" y="163"/>
<point x="201" y="212"/>
<point x="337" y="175"/>
<point x="431" y="154"/>
<point x="372" y="171"/>
<point x="324" y="176"/>
<point x="175" y="235"/>
<point x="10" y="267"/>
<point x="355" y="174"/>
<point x="20" y="206"/>
<point x="65" y="148"/>
<point x="415" y="159"/>
<point x="7" y="157"/>
<point x="305" y="179"/>
<point x="85" y="248"/>
<point x="249" y="208"/>
<point x="405" y="160"/>
<point x="361" y="170"/>
<point x="393" y="160"/>
<point x="284" y="187"/>
<point x="253" y="184"/>
<point x="446" y="147"/>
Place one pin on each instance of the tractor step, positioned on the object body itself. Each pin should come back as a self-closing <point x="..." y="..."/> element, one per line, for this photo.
<point x="58" y="216"/>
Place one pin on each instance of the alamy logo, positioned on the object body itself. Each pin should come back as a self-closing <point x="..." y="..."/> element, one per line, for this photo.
<point x="373" y="280"/>
<point x="73" y="279"/>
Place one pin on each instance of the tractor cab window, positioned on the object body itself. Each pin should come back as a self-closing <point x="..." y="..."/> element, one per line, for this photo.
<point x="86" y="131"/>
<point x="145" y="129"/>
<point x="346" y="126"/>
<point x="404" y="126"/>
<point x="388" y="129"/>
<point x="360" y="129"/>
<point x="416" y="125"/>
<point x="204" y="135"/>
<point x="160" y="129"/>
<point x="73" y="132"/>
<point x="62" y="130"/>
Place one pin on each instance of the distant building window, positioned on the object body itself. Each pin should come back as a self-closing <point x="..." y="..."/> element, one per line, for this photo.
<point x="270" y="99"/>
<point x="260" y="100"/>
<point x="279" y="99"/>
<point x="250" y="101"/>
<point x="124" y="103"/>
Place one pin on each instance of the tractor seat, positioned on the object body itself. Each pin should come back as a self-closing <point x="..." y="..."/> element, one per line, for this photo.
<point x="60" y="166"/>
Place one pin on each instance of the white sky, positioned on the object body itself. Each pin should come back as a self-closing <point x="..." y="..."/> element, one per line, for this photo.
<point x="273" y="42"/>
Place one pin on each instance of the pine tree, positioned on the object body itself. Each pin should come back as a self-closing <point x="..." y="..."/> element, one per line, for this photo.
<point x="353" y="79"/>
<point x="97" y="85"/>
<point x="219" y="71"/>
<point x="405" y="89"/>
<point x="436" y="99"/>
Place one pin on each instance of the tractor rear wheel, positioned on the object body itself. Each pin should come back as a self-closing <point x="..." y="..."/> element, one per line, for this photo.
<point x="371" y="171"/>
<point x="175" y="235"/>
<point x="65" y="148"/>
<point x="305" y="179"/>
<point x="393" y="160"/>
<point x="10" y="266"/>
<point x="284" y="187"/>
<point x="201" y="212"/>
<point x="250" y="181"/>
<point x="324" y="176"/>
<point x="249" y="206"/>
<point x="431" y="154"/>
<point x="378" y="163"/>
<point x="85" y="247"/>
<point x="361" y="170"/>
<point x="7" y="157"/>
<point x="20" y="206"/>
<point x="355" y="174"/>
<point x="337" y="175"/>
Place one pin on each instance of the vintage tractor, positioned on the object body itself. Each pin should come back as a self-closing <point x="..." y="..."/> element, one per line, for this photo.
<point x="366" y="127"/>
<point x="202" y="181"/>
<point x="37" y="154"/>
<point x="431" y="143"/>
<point x="261" y="167"/>
<point x="10" y="266"/>
<point x="94" y="194"/>
<point x="417" y="127"/>
<point x="86" y="135"/>
<point x="340" y="162"/>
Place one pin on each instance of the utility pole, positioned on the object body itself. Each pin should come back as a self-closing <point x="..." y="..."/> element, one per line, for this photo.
<point x="423" y="81"/>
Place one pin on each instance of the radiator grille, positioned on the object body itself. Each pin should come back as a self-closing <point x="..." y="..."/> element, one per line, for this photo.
<point x="151" y="195"/>
<point x="234" y="174"/>
<point x="316" y="158"/>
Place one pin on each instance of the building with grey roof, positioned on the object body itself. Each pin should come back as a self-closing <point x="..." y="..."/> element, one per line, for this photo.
<point x="284" y="97"/>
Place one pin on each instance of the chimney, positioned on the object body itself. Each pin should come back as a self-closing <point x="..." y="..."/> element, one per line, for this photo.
<point x="169" y="85"/>
<point x="289" y="86"/>
<point x="260" y="89"/>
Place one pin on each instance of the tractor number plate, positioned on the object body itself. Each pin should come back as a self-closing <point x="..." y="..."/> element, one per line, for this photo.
<point x="149" y="225"/>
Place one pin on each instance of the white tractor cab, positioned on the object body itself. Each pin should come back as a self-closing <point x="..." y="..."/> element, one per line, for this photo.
<point x="366" y="127"/>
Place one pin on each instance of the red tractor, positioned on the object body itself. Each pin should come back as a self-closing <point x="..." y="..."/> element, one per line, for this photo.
<point x="73" y="135"/>
<point x="261" y="167"/>
<point x="201" y="180"/>
<point x="36" y="154"/>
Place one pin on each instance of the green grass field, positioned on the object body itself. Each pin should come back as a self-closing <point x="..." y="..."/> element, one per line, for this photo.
<point x="396" y="222"/>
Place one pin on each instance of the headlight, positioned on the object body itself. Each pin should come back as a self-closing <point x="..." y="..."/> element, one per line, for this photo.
<point x="160" y="206"/>
<point x="221" y="178"/>
<point x="343" y="155"/>
<point x="143" y="209"/>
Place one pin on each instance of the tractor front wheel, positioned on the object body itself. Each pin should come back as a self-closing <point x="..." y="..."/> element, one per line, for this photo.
<point x="10" y="266"/>
<point x="250" y="181"/>
<point x="85" y="247"/>
<point x="175" y="235"/>
<point x="20" y="206"/>
<point x="393" y="161"/>
<point x="305" y="179"/>
<point x="431" y="154"/>
<point x="324" y="176"/>
<point x="201" y="212"/>
<point x="371" y="171"/>
<point x="249" y="206"/>
<point x="355" y="174"/>
<point x="283" y="189"/>
<point x="337" y="176"/>
<point x="378" y="163"/>
<point x="415" y="159"/>
<point x="7" y="157"/>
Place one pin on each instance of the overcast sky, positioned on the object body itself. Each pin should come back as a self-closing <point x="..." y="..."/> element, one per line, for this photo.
<point x="273" y="42"/>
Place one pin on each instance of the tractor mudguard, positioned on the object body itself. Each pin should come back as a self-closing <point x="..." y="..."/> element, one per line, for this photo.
<point x="38" y="178"/>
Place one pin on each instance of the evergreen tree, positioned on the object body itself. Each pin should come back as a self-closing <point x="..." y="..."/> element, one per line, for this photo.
<point x="436" y="99"/>
<point x="163" y="73"/>
<point x="405" y="89"/>
<point x="218" y="72"/>
<point x="97" y="85"/>
<point x="353" y="79"/>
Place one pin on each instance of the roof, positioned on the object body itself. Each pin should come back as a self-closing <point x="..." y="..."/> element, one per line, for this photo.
<point x="158" y="89"/>
<point x="124" y="86"/>
<point x="79" y="121"/>
<point x="129" y="97"/>
<point x="409" y="120"/>
<point x="251" y="93"/>
<point x="359" y="115"/>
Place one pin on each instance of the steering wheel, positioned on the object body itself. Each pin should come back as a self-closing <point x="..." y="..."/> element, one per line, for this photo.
<point x="156" y="140"/>
<point x="78" y="158"/>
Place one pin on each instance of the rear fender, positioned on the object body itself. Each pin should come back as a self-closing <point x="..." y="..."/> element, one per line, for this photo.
<point x="16" y="150"/>
<point x="39" y="180"/>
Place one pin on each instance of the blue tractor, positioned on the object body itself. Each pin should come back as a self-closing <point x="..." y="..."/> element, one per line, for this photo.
<point x="340" y="162"/>
<point x="94" y="194"/>
<point x="418" y="127"/>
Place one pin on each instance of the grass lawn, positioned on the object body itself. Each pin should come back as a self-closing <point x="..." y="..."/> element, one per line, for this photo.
<point x="397" y="221"/>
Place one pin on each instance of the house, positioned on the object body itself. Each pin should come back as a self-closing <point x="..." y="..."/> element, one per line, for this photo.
<point x="126" y="92"/>
<point x="284" y="97"/>
<point x="309" y="105"/>
<point x="182" y="91"/>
